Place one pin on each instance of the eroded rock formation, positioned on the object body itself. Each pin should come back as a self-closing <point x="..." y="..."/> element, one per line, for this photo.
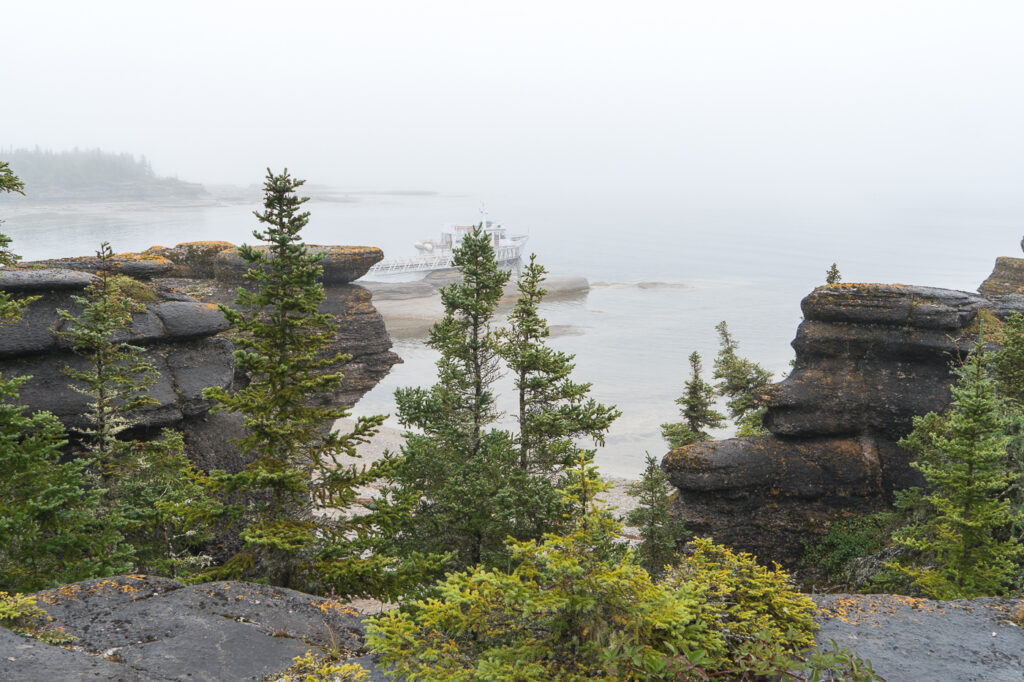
<point x="869" y="357"/>
<point x="182" y="334"/>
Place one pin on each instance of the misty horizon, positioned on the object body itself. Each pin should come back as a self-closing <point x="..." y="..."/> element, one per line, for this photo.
<point x="813" y="107"/>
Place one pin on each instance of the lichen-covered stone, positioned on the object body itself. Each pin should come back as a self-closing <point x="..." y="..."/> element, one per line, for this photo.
<point x="137" y="265"/>
<point x="192" y="259"/>
<point x="160" y="629"/>
<point x="342" y="264"/>
<point x="1007" y="278"/>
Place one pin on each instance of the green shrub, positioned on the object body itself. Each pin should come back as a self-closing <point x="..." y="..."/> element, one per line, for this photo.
<point x="848" y="540"/>
<point x="311" y="667"/>
<point x="570" y="610"/>
<point x="19" y="613"/>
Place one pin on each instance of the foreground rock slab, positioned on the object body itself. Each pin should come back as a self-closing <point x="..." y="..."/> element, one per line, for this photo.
<point x="150" y="628"/>
<point x="920" y="640"/>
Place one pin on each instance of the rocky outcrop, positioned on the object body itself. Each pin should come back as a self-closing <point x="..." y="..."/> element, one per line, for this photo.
<point x="179" y="337"/>
<point x="869" y="357"/>
<point x="140" y="627"/>
<point x="182" y="333"/>
<point x="1007" y="278"/>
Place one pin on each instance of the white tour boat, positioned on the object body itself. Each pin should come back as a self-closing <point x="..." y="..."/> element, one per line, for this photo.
<point x="438" y="255"/>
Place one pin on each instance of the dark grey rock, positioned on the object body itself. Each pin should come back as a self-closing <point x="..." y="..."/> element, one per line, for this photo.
<point x="869" y="358"/>
<point x="186" y="320"/>
<point x="197" y="366"/>
<point x="213" y="631"/>
<point x="27" y="660"/>
<point x="34" y="332"/>
<point x="920" y="640"/>
<point x="892" y="304"/>
<point x="766" y="494"/>
<point x="183" y="371"/>
<point x="33" y="280"/>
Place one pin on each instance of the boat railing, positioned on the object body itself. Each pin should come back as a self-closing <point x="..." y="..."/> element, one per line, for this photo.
<point x="389" y="266"/>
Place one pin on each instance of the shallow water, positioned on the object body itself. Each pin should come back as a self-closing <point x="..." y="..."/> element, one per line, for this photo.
<point x="661" y="278"/>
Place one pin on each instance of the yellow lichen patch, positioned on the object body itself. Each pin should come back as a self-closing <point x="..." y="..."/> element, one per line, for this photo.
<point x="333" y="606"/>
<point x="145" y="255"/>
<point x="868" y="609"/>
<point x="206" y="245"/>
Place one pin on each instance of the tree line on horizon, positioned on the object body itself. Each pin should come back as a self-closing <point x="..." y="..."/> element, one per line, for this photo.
<point x="88" y="173"/>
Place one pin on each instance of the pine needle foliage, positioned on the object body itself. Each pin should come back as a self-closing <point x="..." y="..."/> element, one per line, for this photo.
<point x="739" y="380"/>
<point x="150" y="493"/>
<point x="115" y="375"/>
<point x="9" y="182"/>
<point x="554" y="411"/>
<point x="50" y="533"/>
<point x="1007" y="366"/>
<point x="963" y="549"/>
<point x="659" y="532"/>
<point x="696" y="406"/>
<point x="10" y="308"/>
<point x="577" y="607"/>
<point x="464" y="472"/>
<point x="832" y="276"/>
<point x="297" y="494"/>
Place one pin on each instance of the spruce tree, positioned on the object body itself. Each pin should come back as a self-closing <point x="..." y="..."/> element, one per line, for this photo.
<point x="553" y="410"/>
<point x="962" y="549"/>
<point x="832" y="276"/>
<point x="695" y="405"/>
<point x="10" y="308"/>
<point x="49" y="528"/>
<point x="659" y="532"/>
<point x="150" y="492"/>
<point x="1007" y="365"/>
<point x="296" y="495"/>
<point x="49" y="533"/>
<point x="453" y="460"/>
<point x="739" y="380"/>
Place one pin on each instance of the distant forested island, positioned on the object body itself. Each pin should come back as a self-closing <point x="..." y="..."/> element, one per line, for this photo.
<point x="92" y="175"/>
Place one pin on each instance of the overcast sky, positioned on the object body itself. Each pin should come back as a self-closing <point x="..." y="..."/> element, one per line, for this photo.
<point x="727" y="100"/>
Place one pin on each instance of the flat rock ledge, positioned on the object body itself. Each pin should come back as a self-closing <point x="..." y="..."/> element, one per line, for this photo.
<point x="215" y="259"/>
<point x="139" y="627"/>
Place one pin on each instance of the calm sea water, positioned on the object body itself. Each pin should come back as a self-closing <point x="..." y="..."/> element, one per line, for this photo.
<point x="662" y="276"/>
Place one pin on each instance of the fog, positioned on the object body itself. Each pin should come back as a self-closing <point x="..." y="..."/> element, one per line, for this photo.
<point x="830" y="107"/>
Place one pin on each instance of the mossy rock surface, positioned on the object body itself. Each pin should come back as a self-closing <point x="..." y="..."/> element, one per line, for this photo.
<point x="342" y="264"/>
